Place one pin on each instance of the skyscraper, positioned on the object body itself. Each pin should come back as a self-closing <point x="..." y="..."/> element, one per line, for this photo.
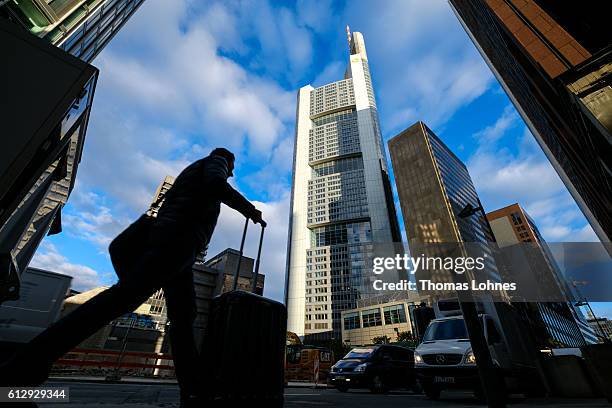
<point x="434" y="186"/>
<point x="435" y="190"/>
<point x="564" y="324"/>
<point x="553" y="59"/>
<point x="79" y="27"/>
<point x="341" y="203"/>
<point x="160" y="194"/>
<point x="158" y="200"/>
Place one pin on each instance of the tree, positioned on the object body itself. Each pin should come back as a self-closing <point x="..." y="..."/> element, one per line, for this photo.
<point x="339" y="348"/>
<point x="407" y="339"/>
<point x="404" y="336"/>
<point x="381" y="340"/>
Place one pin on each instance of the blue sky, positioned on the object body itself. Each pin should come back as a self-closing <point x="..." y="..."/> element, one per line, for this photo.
<point x="184" y="76"/>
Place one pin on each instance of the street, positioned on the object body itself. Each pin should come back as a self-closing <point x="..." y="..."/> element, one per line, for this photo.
<point x="92" y="395"/>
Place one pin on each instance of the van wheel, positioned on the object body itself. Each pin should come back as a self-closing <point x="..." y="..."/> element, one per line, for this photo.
<point x="431" y="391"/>
<point x="416" y="388"/>
<point x="378" y="385"/>
<point x="342" y="388"/>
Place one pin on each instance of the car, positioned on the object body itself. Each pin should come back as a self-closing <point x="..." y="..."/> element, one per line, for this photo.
<point x="379" y="368"/>
<point x="445" y="359"/>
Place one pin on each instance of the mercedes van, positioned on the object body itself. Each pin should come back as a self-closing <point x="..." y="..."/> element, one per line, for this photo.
<point x="445" y="359"/>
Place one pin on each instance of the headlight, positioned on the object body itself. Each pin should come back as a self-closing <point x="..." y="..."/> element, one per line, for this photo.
<point x="470" y="358"/>
<point x="333" y="369"/>
<point x="361" y="368"/>
<point x="417" y="358"/>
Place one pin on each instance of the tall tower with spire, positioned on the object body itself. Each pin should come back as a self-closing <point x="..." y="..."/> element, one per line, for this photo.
<point x="341" y="203"/>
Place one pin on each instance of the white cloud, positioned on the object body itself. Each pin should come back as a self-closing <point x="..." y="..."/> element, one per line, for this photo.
<point x="49" y="258"/>
<point x="491" y="134"/>
<point x="317" y="15"/>
<point x="423" y="65"/>
<point x="279" y="39"/>
<point x="523" y="175"/>
<point x="585" y="234"/>
<point x="184" y="77"/>
<point x="224" y="26"/>
<point x="93" y="221"/>
<point x="229" y="230"/>
<point x="167" y="97"/>
<point x="334" y="71"/>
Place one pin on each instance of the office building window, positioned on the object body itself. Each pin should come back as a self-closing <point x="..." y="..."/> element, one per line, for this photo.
<point x="351" y="321"/>
<point x="371" y="318"/>
<point x="395" y="314"/>
<point x="516" y="218"/>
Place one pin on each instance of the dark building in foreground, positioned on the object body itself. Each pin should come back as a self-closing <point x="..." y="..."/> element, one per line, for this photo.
<point x="45" y="111"/>
<point x="554" y="59"/>
<point x="46" y="99"/>
<point x="79" y="27"/>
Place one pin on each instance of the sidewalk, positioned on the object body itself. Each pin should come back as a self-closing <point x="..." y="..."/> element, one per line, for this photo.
<point x="144" y="380"/>
<point x="305" y="385"/>
<point x="123" y="380"/>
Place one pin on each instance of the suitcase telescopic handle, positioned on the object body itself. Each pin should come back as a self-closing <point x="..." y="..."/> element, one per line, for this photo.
<point x="256" y="271"/>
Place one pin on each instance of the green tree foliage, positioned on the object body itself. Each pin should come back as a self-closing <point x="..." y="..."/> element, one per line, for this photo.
<point x="407" y="339"/>
<point x="381" y="340"/>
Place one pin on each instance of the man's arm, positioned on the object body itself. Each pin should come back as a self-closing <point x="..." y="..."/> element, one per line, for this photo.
<point x="218" y="171"/>
<point x="232" y="198"/>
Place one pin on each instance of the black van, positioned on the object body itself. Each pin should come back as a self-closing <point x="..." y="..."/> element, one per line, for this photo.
<point x="379" y="368"/>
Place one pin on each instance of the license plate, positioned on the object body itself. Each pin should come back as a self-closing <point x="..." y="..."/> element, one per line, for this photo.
<point x="447" y="380"/>
<point x="340" y="377"/>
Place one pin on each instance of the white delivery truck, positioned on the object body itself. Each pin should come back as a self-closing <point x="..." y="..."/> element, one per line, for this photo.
<point x="40" y="303"/>
<point x="445" y="359"/>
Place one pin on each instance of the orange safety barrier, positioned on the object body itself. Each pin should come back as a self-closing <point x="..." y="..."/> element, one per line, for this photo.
<point x="81" y="359"/>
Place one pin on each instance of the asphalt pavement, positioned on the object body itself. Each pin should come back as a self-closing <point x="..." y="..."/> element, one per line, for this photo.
<point x="106" y="395"/>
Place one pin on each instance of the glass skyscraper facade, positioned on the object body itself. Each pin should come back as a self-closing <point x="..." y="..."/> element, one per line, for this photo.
<point x="553" y="60"/>
<point x="79" y="27"/>
<point x="341" y="203"/>
<point x="433" y="186"/>
<point x="559" y="324"/>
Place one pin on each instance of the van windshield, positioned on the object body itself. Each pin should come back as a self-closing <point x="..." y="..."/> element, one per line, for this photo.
<point x="453" y="329"/>
<point x="360" y="353"/>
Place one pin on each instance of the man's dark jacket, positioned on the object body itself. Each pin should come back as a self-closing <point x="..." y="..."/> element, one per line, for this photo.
<point x="193" y="203"/>
<point x="187" y="217"/>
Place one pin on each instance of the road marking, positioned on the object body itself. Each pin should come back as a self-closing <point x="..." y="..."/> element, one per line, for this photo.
<point x="302" y="395"/>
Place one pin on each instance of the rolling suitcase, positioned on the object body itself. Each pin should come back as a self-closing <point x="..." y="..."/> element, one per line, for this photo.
<point x="243" y="351"/>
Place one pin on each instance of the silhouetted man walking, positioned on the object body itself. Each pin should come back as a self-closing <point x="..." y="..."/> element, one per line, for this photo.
<point x="183" y="227"/>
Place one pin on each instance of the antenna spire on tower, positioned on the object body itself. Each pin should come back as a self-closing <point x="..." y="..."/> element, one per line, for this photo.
<point x="348" y="36"/>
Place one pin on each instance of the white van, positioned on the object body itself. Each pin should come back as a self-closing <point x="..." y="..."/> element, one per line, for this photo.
<point x="445" y="359"/>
